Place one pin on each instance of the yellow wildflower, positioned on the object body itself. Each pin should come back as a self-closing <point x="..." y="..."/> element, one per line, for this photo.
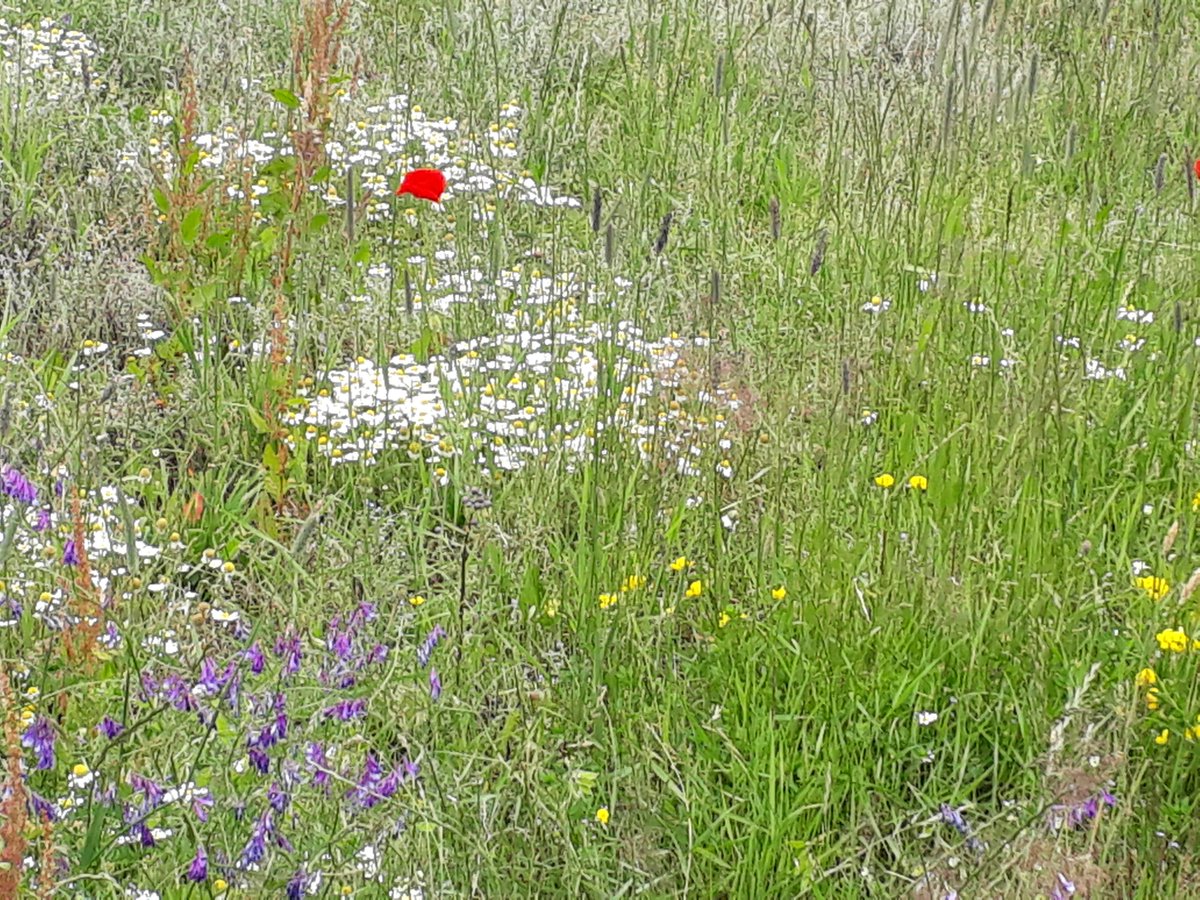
<point x="602" y="815"/>
<point x="918" y="483"/>
<point x="695" y="589"/>
<point x="1196" y="502"/>
<point x="885" y="480"/>
<point x="1145" y="678"/>
<point x="1156" y="587"/>
<point x="633" y="583"/>
<point x="416" y="600"/>
<point x="1152" y="699"/>
<point x="779" y="593"/>
<point x="607" y="600"/>
<point x="680" y="563"/>
<point x="723" y="620"/>
<point x="1173" y="640"/>
<point x="1163" y="736"/>
<point x="220" y="884"/>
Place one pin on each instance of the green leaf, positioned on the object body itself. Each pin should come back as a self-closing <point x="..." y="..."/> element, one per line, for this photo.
<point x="218" y="240"/>
<point x="286" y="97"/>
<point x="91" y="844"/>
<point x="317" y="222"/>
<point x="161" y="200"/>
<point x="531" y="588"/>
<point x="190" y="226"/>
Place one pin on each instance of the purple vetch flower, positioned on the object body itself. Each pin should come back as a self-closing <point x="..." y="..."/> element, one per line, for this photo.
<point x="435" y="684"/>
<point x="256" y="847"/>
<point x="41" y="807"/>
<point x="16" y="485"/>
<point x="110" y="728"/>
<point x="43" y="520"/>
<point x="288" y="646"/>
<point x="70" y="553"/>
<point x="198" y="870"/>
<point x="1081" y="813"/>
<point x="150" y="790"/>
<point x="345" y="710"/>
<point x="260" y="760"/>
<point x="340" y="644"/>
<point x="255" y="655"/>
<point x="377" y="655"/>
<point x="200" y="805"/>
<point x="427" y="646"/>
<point x="39" y="737"/>
<point x="296" y="887"/>
<point x="1063" y="888"/>
<point x="209" y="678"/>
<point x="315" y="754"/>
<point x="955" y="820"/>
<point x="365" y="792"/>
<point x="277" y="798"/>
<point x="177" y="692"/>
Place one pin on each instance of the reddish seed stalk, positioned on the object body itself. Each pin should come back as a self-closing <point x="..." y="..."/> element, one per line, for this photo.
<point x="13" y="806"/>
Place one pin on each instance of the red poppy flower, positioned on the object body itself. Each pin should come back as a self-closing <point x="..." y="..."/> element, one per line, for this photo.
<point x="1198" y="168"/>
<point x="424" y="184"/>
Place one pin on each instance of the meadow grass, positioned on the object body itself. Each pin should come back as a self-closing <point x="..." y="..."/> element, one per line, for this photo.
<point x="770" y="472"/>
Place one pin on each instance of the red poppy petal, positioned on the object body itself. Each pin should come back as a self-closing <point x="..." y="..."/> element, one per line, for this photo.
<point x="1198" y="168"/>
<point x="424" y="184"/>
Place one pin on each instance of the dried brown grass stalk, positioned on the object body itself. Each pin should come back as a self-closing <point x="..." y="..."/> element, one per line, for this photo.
<point x="1171" y="536"/>
<point x="316" y="47"/>
<point x="1190" y="587"/>
<point x="48" y="861"/>
<point x="15" y="803"/>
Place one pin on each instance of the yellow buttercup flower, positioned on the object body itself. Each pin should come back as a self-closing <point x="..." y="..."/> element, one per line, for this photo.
<point x="779" y="593"/>
<point x="416" y="600"/>
<point x="680" y="563"/>
<point x="607" y="600"/>
<point x="1172" y="639"/>
<point x="885" y="480"/>
<point x="723" y="620"/>
<point x="695" y="589"/>
<point x="918" y="483"/>
<point x="1156" y="587"/>
<point x="602" y="815"/>
<point x="1163" y="736"/>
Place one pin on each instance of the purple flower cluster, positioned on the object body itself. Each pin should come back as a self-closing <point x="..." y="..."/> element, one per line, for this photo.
<point x="14" y="484"/>
<point x="345" y="710"/>
<point x="425" y="651"/>
<point x="1080" y="814"/>
<point x="373" y="785"/>
<point x="39" y="737"/>
<point x="955" y="820"/>
<point x="110" y="728"/>
<point x="350" y="654"/>
<point x="288" y="646"/>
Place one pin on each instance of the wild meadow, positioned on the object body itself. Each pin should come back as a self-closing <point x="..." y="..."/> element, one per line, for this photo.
<point x="467" y="449"/>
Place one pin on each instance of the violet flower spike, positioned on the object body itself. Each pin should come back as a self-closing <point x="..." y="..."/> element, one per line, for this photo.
<point x="14" y="484"/>
<point x="435" y="684"/>
<point x="39" y="737"/>
<point x="345" y="710"/>
<point x="198" y="870"/>
<point x="110" y="728"/>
